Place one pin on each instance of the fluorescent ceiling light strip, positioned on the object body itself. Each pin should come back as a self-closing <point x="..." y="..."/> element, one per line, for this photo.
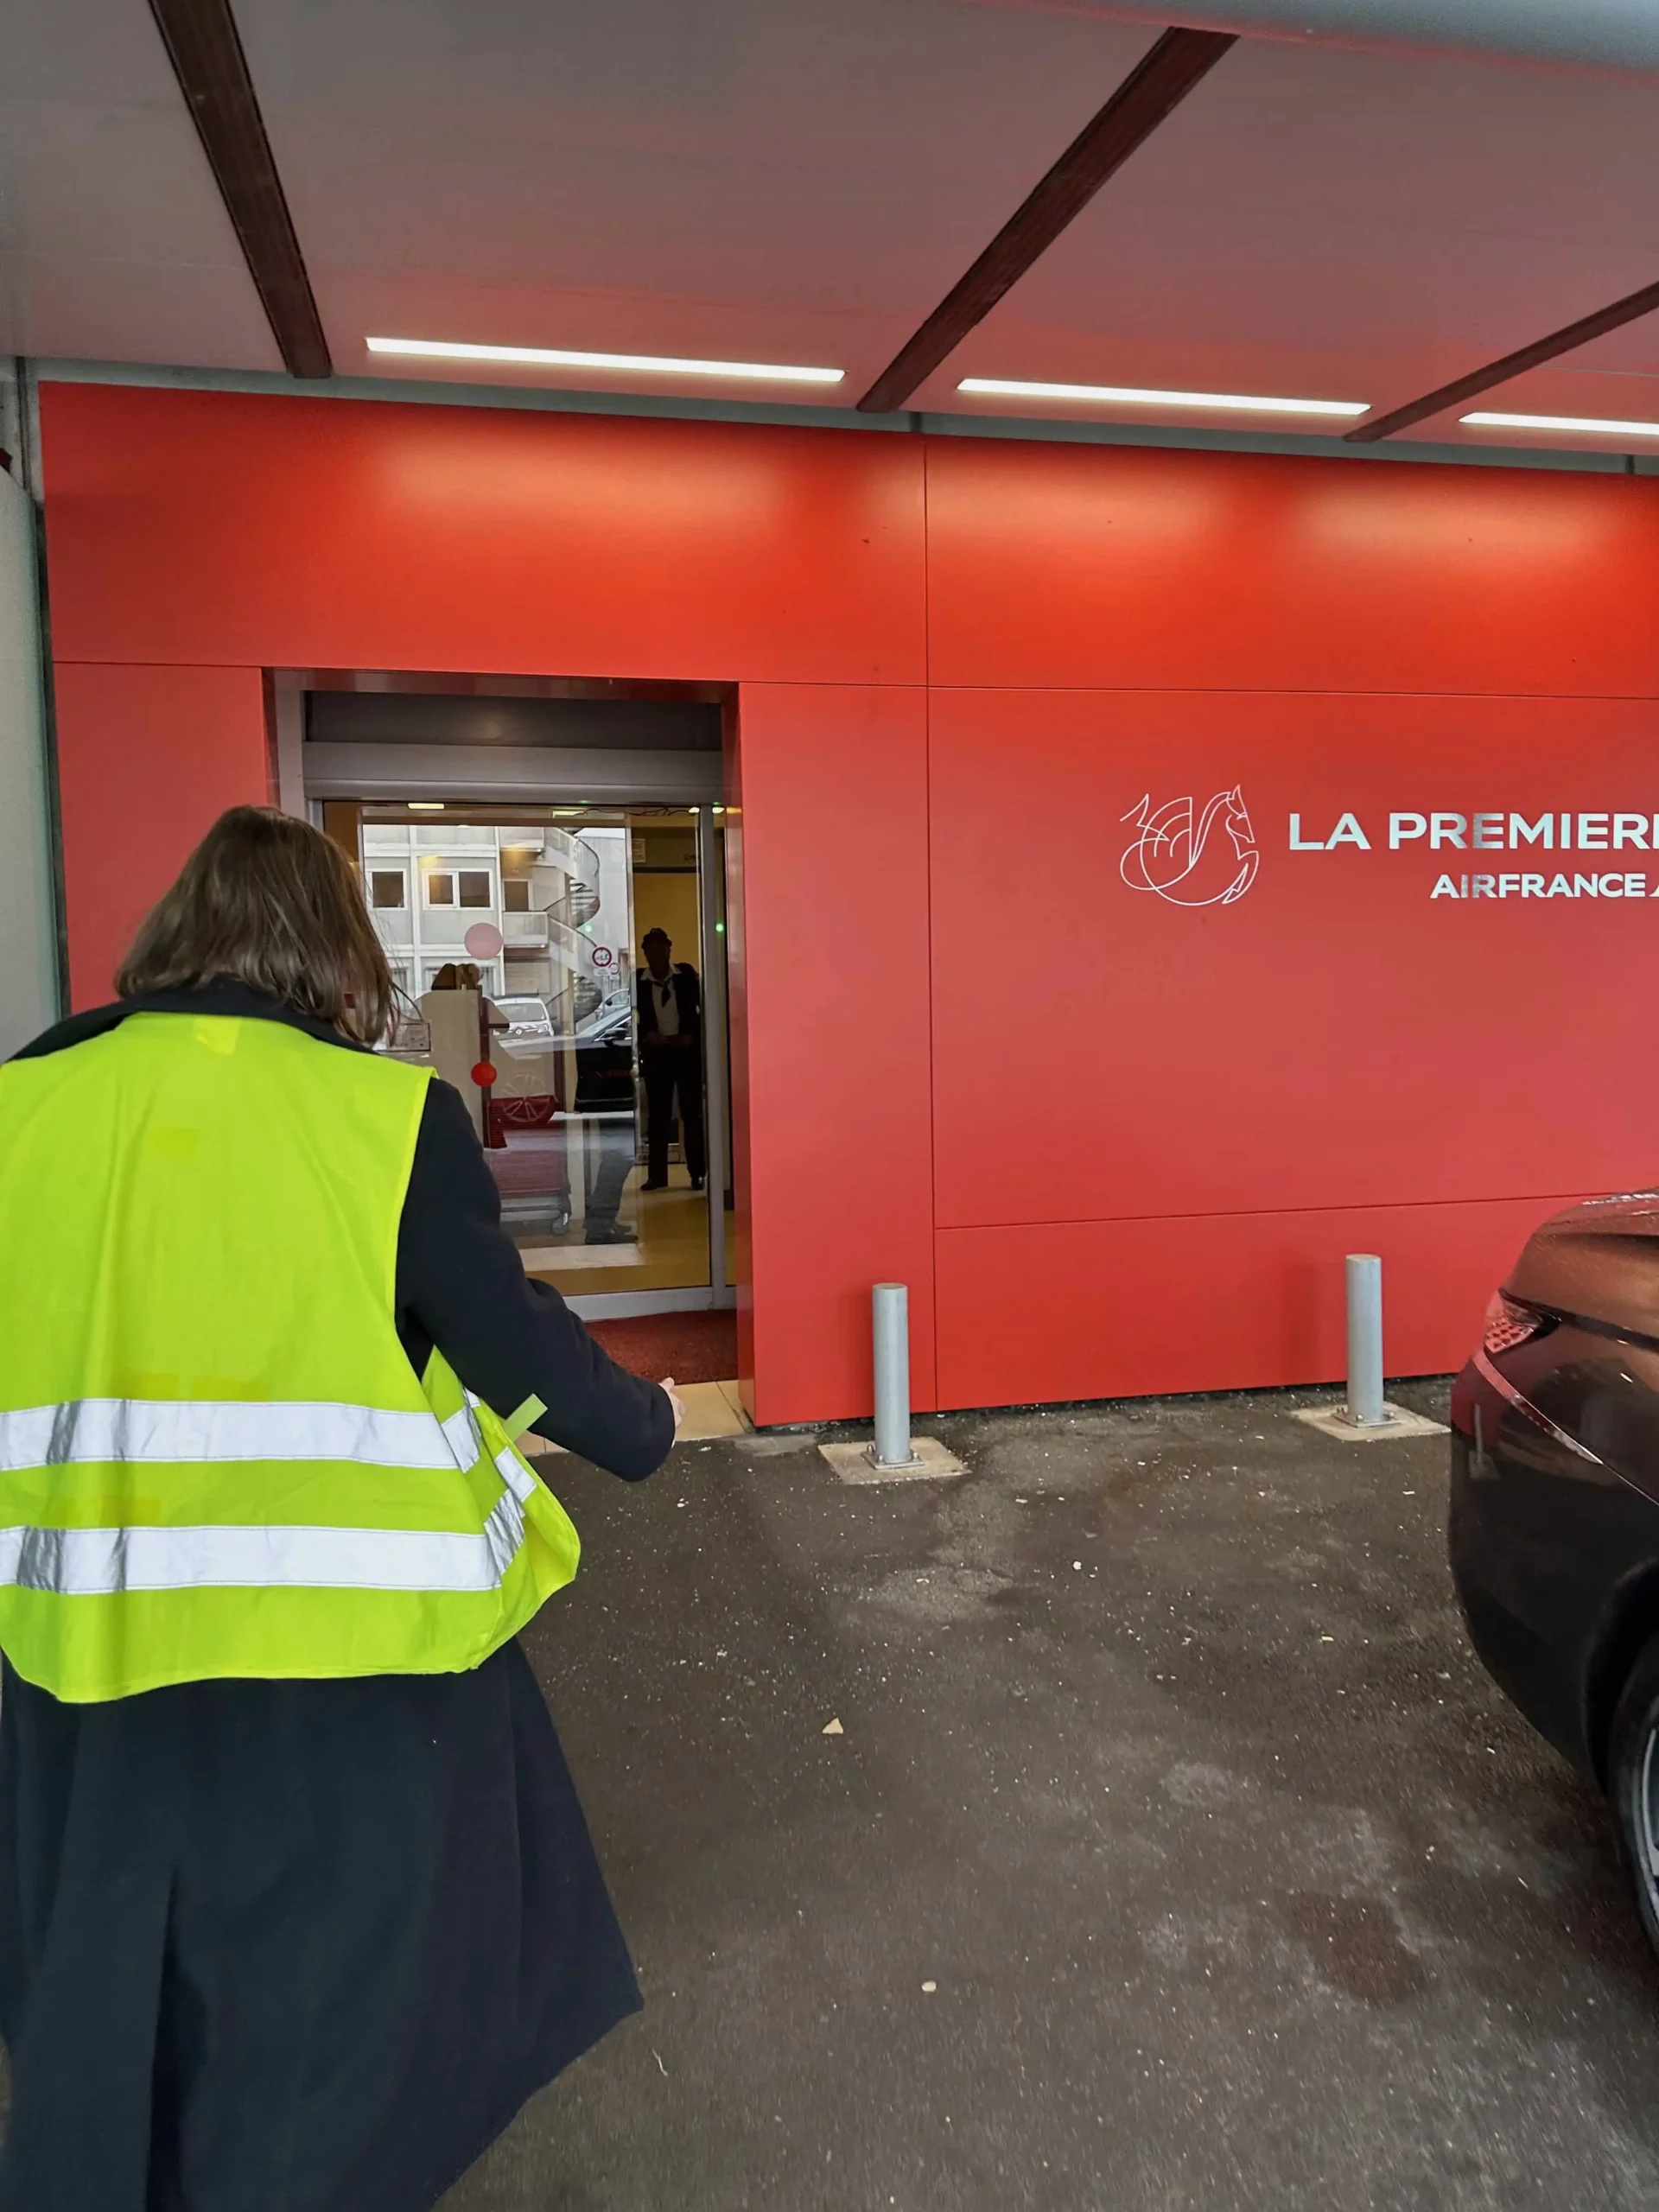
<point x="1133" y="396"/>
<point x="558" y="357"/>
<point x="1602" y="424"/>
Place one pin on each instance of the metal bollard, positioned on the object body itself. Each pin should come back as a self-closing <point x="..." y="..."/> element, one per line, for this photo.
<point x="890" y="1315"/>
<point x="1365" y="1408"/>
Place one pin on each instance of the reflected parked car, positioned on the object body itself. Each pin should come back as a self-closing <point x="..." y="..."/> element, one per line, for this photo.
<point x="611" y="1021"/>
<point x="530" y="1026"/>
<point x="602" y="1041"/>
<point x="1554" y="1516"/>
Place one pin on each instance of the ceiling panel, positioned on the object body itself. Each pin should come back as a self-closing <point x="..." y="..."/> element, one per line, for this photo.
<point x="802" y="181"/>
<point x="1315" y="221"/>
<point x="114" y="243"/>
<point x="739" y="178"/>
<point x="1606" y="33"/>
<point x="1570" y="386"/>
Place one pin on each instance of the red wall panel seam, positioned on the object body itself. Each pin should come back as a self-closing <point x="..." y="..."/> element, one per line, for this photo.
<point x="579" y="675"/>
<point x="1244" y="1213"/>
<point x="927" y="872"/>
<point x="1275" y="691"/>
<point x="851" y="684"/>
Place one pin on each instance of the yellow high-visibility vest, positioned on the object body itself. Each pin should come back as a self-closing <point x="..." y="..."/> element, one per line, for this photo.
<point x="215" y="1457"/>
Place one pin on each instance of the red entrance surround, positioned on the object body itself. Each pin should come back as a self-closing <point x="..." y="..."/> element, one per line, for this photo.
<point x="1114" y="1142"/>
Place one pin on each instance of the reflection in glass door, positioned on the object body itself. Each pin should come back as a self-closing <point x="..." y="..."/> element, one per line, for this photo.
<point x="558" y="953"/>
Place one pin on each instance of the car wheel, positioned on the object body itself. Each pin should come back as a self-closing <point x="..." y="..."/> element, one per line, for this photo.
<point x="1633" y="1781"/>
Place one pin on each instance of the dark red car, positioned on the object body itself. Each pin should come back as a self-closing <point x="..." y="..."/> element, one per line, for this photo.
<point x="1554" y="1514"/>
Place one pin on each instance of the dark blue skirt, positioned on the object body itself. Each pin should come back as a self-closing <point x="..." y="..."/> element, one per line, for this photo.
<point x="290" y="1947"/>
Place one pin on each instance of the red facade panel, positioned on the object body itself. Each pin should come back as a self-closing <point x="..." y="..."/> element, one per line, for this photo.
<point x="1334" y="1034"/>
<point x="278" y="533"/>
<point x="835" y="995"/>
<point x="147" y="758"/>
<point x="1133" y="1122"/>
<point x="1071" y="564"/>
<point x="1210" y="1302"/>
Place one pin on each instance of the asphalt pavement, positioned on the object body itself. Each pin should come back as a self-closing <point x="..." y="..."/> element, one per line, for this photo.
<point x="1173" y="1853"/>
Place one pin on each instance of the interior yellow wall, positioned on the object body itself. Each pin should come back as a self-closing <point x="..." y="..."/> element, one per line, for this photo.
<point x="667" y="902"/>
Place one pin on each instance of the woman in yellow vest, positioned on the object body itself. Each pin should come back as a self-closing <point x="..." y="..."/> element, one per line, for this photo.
<point x="297" y="1904"/>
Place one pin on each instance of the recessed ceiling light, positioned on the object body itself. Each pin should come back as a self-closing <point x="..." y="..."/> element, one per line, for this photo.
<point x="558" y="357"/>
<point x="1601" y="424"/>
<point x="1122" y="395"/>
<point x="425" y="805"/>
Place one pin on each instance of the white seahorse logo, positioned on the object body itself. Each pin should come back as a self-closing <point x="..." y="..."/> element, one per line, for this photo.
<point x="1174" y="858"/>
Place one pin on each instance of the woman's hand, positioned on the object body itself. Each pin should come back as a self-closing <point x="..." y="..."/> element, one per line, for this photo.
<point x="677" y="1402"/>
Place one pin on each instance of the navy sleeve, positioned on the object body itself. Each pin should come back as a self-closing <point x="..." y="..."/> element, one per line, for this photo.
<point x="460" y="1287"/>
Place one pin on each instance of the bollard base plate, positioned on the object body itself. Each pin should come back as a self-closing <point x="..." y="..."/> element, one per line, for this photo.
<point x="1332" y="1420"/>
<point x="930" y="1463"/>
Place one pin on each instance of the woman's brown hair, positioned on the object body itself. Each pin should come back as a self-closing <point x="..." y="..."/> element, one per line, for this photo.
<point x="272" y="902"/>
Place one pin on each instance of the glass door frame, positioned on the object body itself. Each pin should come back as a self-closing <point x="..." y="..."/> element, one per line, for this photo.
<point x="718" y="1105"/>
<point x="542" y="778"/>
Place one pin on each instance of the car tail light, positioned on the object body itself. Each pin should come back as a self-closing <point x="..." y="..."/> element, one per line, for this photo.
<point x="1508" y="1325"/>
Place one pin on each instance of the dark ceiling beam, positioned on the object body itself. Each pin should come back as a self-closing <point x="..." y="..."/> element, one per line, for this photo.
<point x="206" y="51"/>
<point x="1630" y="309"/>
<point x="1152" y="90"/>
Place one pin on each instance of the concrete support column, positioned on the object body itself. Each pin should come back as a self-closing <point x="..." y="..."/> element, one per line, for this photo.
<point x="29" y="954"/>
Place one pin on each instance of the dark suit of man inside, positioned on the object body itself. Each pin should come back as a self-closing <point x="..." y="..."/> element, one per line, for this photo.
<point x="669" y="999"/>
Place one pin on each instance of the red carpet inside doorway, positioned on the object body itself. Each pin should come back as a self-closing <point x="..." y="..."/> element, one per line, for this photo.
<point x="691" y="1347"/>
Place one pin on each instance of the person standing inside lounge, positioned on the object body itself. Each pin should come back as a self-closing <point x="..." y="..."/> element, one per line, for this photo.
<point x="670" y="1005"/>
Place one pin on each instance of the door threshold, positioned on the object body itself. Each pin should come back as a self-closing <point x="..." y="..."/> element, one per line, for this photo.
<point x="634" y="1304"/>
<point x="712" y="1410"/>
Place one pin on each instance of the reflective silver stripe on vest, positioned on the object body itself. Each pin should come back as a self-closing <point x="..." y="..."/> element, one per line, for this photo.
<point x="517" y="1477"/>
<point x="104" y="1562"/>
<point x="212" y="1432"/>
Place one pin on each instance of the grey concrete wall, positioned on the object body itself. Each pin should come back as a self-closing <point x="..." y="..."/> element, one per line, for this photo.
<point x="28" y="987"/>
